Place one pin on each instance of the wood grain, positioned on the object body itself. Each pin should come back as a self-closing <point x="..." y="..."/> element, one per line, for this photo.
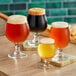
<point x="30" y="66"/>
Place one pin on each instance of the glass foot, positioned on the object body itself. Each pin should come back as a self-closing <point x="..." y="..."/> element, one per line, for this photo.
<point x="44" y="66"/>
<point x="64" y="58"/>
<point x="67" y="59"/>
<point x="17" y="55"/>
<point x="31" y="43"/>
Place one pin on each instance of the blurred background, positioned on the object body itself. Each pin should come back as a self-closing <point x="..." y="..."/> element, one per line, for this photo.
<point x="56" y="10"/>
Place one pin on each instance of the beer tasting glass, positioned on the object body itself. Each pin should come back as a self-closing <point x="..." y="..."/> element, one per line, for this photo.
<point x="60" y="33"/>
<point x="17" y="31"/>
<point x="37" y="23"/>
<point x="46" y="50"/>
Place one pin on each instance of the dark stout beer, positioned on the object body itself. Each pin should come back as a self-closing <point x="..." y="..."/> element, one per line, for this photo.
<point x="37" y="19"/>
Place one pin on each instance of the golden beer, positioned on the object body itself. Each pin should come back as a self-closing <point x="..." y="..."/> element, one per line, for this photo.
<point x="46" y="48"/>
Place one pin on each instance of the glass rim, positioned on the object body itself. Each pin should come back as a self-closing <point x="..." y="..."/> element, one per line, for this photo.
<point x="17" y="19"/>
<point x="36" y="11"/>
<point x="60" y="24"/>
<point x="47" y="41"/>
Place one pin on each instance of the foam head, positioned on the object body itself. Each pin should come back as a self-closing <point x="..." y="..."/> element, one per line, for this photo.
<point x="36" y="11"/>
<point x="47" y="41"/>
<point x="17" y="19"/>
<point x="60" y="24"/>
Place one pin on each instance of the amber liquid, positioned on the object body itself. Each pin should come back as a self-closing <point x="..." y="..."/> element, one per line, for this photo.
<point x="16" y="32"/>
<point x="61" y="36"/>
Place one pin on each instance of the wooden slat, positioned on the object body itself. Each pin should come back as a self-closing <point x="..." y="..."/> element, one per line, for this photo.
<point x="3" y="16"/>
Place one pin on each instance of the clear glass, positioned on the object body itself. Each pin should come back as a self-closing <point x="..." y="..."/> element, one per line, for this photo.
<point x="35" y="41"/>
<point x="46" y="50"/>
<point x="16" y="32"/>
<point x="37" y="22"/>
<point x="60" y="32"/>
<point x="16" y="53"/>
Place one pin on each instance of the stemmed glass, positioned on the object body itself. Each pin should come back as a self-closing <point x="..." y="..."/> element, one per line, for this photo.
<point x="46" y="50"/>
<point x="60" y="33"/>
<point x="37" y="23"/>
<point x="17" y="31"/>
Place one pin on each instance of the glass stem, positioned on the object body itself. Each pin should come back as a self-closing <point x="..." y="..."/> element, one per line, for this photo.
<point x="36" y="38"/>
<point x="60" y="54"/>
<point x="17" y="49"/>
<point x="46" y="63"/>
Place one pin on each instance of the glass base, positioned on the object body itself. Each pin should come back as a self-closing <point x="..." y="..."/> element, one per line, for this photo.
<point x="35" y="41"/>
<point x="31" y="43"/>
<point x="64" y="58"/>
<point x="44" y="66"/>
<point x="17" y="55"/>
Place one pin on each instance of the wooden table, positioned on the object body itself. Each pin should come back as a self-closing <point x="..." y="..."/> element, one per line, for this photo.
<point x="30" y="66"/>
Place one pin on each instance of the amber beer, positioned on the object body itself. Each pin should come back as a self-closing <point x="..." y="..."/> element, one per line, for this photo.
<point x="17" y="31"/>
<point x="60" y="32"/>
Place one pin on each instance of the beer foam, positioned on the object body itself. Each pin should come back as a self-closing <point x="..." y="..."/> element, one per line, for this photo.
<point x="60" y="24"/>
<point x="17" y="19"/>
<point x="47" y="41"/>
<point x="36" y="11"/>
